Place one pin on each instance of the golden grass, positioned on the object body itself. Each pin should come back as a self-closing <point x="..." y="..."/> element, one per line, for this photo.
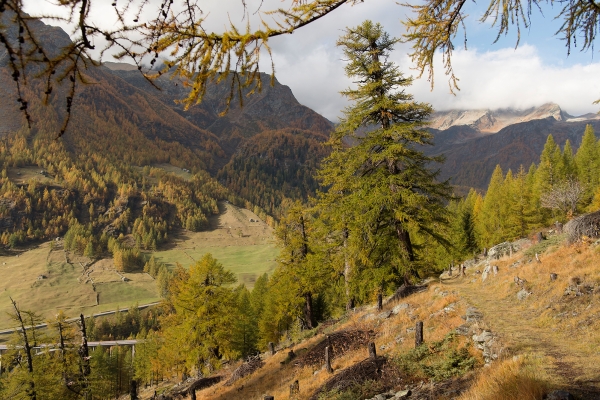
<point x="510" y="379"/>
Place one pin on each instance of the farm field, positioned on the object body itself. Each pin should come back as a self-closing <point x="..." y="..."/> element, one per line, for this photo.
<point x="41" y="280"/>
<point x="45" y="279"/>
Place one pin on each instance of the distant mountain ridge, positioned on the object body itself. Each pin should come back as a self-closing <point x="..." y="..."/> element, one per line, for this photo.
<point x="121" y="115"/>
<point x="473" y="142"/>
<point x="492" y="121"/>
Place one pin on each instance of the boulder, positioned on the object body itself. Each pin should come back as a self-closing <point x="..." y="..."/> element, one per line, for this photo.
<point x="523" y="294"/>
<point x="560" y="395"/>
<point x="500" y="250"/>
<point x="473" y="315"/>
<point x="400" y="307"/>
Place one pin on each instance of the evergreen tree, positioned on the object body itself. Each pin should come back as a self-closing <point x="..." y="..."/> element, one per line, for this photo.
<point x="198" y="333"/>
<point x="588" y="163"/>
<point x="489" y="222"/>
<point x="568" y="162"/>
<point x="387" y="193"/>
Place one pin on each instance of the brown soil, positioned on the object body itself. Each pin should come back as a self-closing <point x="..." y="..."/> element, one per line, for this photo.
<point x="340" y="343"/>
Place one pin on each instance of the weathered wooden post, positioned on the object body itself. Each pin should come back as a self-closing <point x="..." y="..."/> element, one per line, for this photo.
<point x="328" y="360"/>
<point x="272" y="348"/>
<point x="372" y="350"/>
<point x="133" y="395"/>
<point x="450" y="270"/>
<point x="419" y="334"/>
<point x="379" y="302"/>
<point x="267" y="397"/>
<point x="485" y="251"/>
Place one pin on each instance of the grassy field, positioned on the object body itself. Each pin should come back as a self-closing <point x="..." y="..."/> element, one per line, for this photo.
<point x="245" y="247"/>
<point x="237" y="238"/>
<point x="27" y="173"/>
<point x="62" y="288"/>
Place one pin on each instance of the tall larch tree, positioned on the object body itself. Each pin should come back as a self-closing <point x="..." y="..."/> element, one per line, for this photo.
<point x="389" y="193"/>
<point x="587" y="159"/>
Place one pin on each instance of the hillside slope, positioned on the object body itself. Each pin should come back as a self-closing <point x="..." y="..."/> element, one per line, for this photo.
<point x="544" y="342"/>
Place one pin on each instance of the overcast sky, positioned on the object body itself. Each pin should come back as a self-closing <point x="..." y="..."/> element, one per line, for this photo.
<point x="491" y="75"/>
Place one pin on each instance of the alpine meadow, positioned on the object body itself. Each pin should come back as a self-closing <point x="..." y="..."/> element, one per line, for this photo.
<point x="176" y="222"/>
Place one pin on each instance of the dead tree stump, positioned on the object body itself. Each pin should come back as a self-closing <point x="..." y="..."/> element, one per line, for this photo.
<point x="328" y="360"/>
<point x="485" y="251"/>
<point x="372" y="350"/>
<point x="267" y="397"/>
<point x="539" y="237"/>
<point x="450" y="270"/>
<point x="272" y="348"/>
<point x="419" y="334"/>
<point x="133" y="390"/>
<point x="379" y="301"/>
<point x="553" y="276"/>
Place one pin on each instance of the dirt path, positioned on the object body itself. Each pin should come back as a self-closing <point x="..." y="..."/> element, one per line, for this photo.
<point x="572" y="364"/>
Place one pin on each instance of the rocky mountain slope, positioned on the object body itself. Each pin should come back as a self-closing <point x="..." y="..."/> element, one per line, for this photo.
<point x="474" y="142"/>
<point x="120" y="103"/>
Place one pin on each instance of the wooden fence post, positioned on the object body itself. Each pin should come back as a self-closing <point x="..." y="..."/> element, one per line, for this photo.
<point x="272" y="348"/>
<point x="379" y="301"/>
<point x="328" y="360"/>
<point x="419" y="334"/>
<point x="372" y="350"/>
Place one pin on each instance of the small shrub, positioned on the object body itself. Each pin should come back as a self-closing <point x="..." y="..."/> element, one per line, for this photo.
<point x="438" y="360"/>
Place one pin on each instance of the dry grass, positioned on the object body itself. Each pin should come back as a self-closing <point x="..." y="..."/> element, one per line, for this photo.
<point x="560" y="328"/>
<point x="557" y="333"/>
<point x="510" y="379"/>
<point x="392" y="338"/>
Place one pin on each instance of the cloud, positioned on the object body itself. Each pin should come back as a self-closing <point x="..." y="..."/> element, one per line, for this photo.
<point x="513" y="78"/>
<point x="309" y="62"/>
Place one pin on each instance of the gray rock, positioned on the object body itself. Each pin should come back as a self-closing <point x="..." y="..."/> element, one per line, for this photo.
<point x="484" y="336"/>
<point x="560" y="395"/>
<point x="473" y="315"/>
<point x="384" y="315"/>
<point x="400" y="307"/>
<point x="500" y="250"/>
<point x="367" y="317"/>
<point x="463" y="330"/>
<point x="523" y="294"/>
<point x="450" y="307"/>
<point x="403" y="394"/>
<point x="486" y="272"/>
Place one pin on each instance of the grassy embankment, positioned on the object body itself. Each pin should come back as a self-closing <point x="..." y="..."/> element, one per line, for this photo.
<point x="549" y="340"/>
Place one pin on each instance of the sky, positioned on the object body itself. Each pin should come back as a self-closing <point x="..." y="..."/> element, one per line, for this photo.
<point x="492" y="75"/>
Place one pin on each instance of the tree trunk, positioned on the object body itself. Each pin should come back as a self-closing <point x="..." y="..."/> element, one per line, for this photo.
<point x="308" y="311"/>
<point x="133" y="390"/>
<point x="419" y="334"/>
<point x="347" y="272"/>
<point x="31" y="392"/>
<point x="328" y="360"/>
<point x="372" y="350"/>
<point x="83" y="350"/>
